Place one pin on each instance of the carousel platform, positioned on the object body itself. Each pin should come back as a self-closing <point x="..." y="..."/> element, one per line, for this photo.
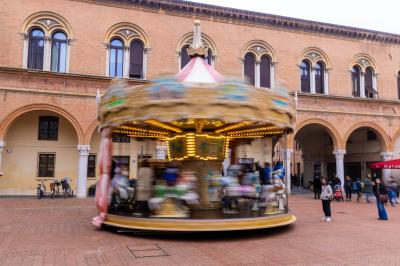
<point x="198" y="225"/>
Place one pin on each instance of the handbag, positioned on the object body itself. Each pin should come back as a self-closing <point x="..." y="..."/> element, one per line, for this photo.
<point x="383" y="198"/>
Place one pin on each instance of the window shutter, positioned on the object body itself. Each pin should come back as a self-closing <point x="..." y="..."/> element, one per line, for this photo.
<point x="249" y="68"/>
<point x="185" y="59"/>
<point x="136" y="59"/>
<point x="265" y="72"/>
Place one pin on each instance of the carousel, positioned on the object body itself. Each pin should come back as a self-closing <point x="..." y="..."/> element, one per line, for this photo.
<point x="196" y="115"/>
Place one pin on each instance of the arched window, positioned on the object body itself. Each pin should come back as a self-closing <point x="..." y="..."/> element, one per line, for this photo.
<point x="136" y="59"/>
<point x="369" y="86"/>
<point x="250" y="67"/>
<point x="398" y="85"/>
<point x="58" y="52"/>
<point x="36" y="49"/>
<point x="185" y="59"/>
<point x="116" y="58"/>
<point x="319" y="77"/>
<point x="209" y="57"/>
<point x="265" y="71"/>
<point x="355" y="78"/>
<point x="305" y="76"/>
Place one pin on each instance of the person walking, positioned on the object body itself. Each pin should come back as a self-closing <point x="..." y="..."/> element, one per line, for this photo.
<point x="392" y="191"/>
<point x="317" y="187"/>
<point x="326" y="197"/>
<point x="381" y="198"/>
<point x="358" y="189"/>
<point x="348" y="184"/>
<point x="368" y="187"/>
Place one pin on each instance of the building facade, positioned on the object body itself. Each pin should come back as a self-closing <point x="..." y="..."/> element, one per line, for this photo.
<point x="56" y="55"/>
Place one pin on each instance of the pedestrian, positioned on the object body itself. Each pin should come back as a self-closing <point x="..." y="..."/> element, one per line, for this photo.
<point x="381" y="198"/>
<point x="348" y="184"/>
<point x="326" y="197"/>
<point x="317" y="187"/>
<point x="392" y="191"/>
<point x="368" y="187"/>
<point x="358" y="189"/>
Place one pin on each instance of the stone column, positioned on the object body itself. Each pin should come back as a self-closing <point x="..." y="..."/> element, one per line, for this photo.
<point x="126" y="63"/>
<point x="312" y="80"/>
<point x="47" y="53"/>
<point x="339" y="155"/>
<point x="374" y="85"/>
<point x="272" y="74"/>
<point x="25" y="52"/>
<point x="362" y="85"/>
<point x="287" y="153"/>
<point x="241" y="61"/>
<point x="387" y="156"/>
<point x="257" y="75"/>
<point x="146" y="53"/>
<point x="107" y="47"/>
<point x="326" y="82"/>
<point x="2" y="145"/>
<point x="81" y="190"/>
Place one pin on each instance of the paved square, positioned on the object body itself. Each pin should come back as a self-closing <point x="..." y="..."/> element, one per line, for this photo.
<point x="58" y="232"/>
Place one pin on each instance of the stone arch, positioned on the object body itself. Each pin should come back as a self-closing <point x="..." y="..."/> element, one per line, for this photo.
<point x="363" y="61"/>
<point x="127" y="32"/>
<point x="334" y="134"/>
<point x="48" y="22"/>
<point x="258" y="48"/>
<point x="90" y="130"/>
<point x="208" y="42"/>
<point x="314" y="55"/>
<point x="9" y="119"/>
<point x="383" y="137"/>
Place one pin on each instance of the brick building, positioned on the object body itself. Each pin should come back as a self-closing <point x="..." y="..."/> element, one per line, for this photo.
<point x="55" y="56"/>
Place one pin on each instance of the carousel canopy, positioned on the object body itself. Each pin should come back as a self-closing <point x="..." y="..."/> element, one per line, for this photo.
<point x="198" y="99"/>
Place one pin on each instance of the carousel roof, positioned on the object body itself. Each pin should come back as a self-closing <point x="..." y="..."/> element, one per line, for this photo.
<point x="199" y="99"/>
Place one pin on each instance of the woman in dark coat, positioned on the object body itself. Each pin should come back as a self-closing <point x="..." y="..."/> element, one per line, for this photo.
<point x="380" y="193"/>
<point x="348" y="184"/>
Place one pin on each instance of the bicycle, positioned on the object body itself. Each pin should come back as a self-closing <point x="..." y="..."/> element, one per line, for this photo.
<point x="41" y="190"/>
<point x="66" y="188"/>
<point x="55" y="188"/>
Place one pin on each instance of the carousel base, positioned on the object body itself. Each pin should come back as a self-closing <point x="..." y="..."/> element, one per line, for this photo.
<point x="198" y="225"/>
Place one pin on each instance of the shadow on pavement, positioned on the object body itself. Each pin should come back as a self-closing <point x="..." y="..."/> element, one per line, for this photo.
<point x="205" y="236"/>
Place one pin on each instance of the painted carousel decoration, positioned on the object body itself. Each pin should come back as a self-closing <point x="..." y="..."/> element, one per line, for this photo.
<point x="196" y="113"/>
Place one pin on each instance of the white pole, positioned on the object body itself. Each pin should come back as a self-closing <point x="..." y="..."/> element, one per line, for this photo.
<point x="82" y="171"/>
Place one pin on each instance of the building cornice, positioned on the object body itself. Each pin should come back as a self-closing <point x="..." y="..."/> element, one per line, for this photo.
<point x="345" y="98"/>
<point x="75" y="76"/>
<point x="256" y="18"/>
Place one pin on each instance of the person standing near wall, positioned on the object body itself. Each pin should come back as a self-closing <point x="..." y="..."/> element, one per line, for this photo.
<point x="348" y="184"/>
<point x="317" y="187"/>
<point x="326" y="197"/>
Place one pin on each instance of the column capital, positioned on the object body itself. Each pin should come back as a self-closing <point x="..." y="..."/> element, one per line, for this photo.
<point x="84" y="149"/>
<point x="387" y="155"/>
<point x="339" y="154"/>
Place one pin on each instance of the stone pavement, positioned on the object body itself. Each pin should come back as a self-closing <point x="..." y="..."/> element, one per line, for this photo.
<point x="58" y="232"/>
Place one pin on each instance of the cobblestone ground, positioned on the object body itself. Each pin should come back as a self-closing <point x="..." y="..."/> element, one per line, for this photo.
<point x="58" y="232"/>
